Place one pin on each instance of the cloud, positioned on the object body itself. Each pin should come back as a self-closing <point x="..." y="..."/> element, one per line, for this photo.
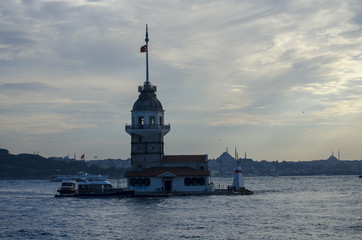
<point x="26" y="87"/>
<point x="40" y="124"/>
<point x="248" y="66"/>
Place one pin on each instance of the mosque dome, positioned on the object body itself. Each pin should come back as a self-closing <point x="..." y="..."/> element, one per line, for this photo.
<point x="147" y="100"/>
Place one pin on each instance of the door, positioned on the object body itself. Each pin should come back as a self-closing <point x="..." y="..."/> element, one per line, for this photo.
<point x="168" y="185"/>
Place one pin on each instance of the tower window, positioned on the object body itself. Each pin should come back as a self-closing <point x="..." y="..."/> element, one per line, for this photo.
<point x="140" y="139"/>
<point x="161" y="122"/>
<point x="152" y="120"/>
<point x="140" y="120"/>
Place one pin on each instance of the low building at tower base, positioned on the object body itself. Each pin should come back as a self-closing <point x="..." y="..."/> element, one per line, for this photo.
<point x="176" y="174"/>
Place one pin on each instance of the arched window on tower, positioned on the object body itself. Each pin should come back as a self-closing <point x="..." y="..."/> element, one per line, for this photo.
<point x="161" y="122"/>
<point x="152" y="120"/>
<point x="140" y="121"/>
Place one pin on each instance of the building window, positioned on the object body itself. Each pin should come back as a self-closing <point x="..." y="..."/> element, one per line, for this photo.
<point x="140" y="139"/>
<point x="140" y="182"/>
<point x="160" y="122"/>
<point x="194" y="181"/>
<point x="152" y="120"/>
<point x="141" y="121"/>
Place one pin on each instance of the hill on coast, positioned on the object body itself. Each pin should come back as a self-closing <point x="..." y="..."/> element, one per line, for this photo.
<point x="33" y="166"/>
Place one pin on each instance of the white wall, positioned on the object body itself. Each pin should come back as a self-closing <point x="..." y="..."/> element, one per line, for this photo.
<point x="177" y="186"/>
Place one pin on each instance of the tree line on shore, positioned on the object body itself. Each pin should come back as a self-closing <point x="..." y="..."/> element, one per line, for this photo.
<point x="33" y="166"/>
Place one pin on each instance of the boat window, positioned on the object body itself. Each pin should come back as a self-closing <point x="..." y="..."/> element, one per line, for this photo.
<point x="67" y="184"/>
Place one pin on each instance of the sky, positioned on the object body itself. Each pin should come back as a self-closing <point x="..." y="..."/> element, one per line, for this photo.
<point x="279" y="80"/>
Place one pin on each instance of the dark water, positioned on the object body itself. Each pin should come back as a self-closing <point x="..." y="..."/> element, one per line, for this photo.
<point x="282" y="208"/>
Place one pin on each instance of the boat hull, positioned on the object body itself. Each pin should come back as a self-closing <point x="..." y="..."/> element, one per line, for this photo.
<point x="108" y="194"/>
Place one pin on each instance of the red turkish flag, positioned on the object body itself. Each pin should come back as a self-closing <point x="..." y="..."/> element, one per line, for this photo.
<point x="82" y="157"/>
<point x="143" y="48"/>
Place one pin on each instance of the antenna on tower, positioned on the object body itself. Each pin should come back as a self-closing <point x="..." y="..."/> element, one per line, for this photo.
<point x="146" y="40"/>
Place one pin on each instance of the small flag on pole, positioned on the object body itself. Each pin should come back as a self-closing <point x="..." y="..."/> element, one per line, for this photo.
<point x="143" y="48"/>
<point x="82" y="157"/>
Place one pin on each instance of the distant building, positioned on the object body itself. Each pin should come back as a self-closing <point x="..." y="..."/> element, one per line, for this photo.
<point x="151" y="170"/>
<point x="333" y="158"/>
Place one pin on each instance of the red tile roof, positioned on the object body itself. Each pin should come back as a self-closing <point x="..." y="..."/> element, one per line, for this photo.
<point x="184" y="158"/>
<point x="178" y="171"/>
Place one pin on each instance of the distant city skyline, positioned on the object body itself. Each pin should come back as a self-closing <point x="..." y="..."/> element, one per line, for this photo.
<point x="278" y="80"/>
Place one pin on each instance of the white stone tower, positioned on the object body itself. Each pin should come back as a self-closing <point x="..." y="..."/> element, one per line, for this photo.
<point x="238" y="182"/>
<point x="147" y="128"/>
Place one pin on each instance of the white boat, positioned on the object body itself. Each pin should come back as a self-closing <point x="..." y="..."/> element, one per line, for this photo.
<point x="80" y="176"/>
<point x="84" y="188"/>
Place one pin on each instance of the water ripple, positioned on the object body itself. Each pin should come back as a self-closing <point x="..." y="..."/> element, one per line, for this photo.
<point x="281" y="208"/>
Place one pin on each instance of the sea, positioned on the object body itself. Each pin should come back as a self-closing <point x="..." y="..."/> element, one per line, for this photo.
<point x="313" y="207"/>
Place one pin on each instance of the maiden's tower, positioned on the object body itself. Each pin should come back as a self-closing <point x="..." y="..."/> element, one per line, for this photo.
<point x="153" y="173"/>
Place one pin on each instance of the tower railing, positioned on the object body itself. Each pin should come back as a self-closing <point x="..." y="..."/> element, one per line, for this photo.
<point x="148" y="126"/>
<point x="147" y="87"/>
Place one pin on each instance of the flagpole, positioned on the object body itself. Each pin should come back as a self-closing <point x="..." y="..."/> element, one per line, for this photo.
<point x="146" y="39"/>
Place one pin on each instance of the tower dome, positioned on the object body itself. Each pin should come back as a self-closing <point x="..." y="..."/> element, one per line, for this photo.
<point x="147" y="99"/>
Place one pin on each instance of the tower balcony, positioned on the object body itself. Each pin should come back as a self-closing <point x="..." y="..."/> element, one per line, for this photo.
<point x="147" y="87"/>
<point x="147" y="129"/>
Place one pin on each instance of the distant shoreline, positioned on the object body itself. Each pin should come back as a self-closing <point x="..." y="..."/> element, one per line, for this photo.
<point x="32" y="166"/>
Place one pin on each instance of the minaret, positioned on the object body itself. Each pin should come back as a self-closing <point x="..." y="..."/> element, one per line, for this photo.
<point x="147" y="128"/>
